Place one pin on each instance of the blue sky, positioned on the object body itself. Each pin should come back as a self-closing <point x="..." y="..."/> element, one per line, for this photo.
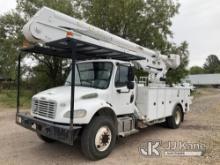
<point x="197" y="23"/>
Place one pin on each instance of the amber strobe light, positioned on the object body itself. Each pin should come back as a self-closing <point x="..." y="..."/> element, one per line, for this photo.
<point x="69" y="34"/>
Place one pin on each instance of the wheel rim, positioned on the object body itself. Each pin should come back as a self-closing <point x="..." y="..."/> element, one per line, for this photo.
<point x="177" y="117"/>
<point x="103" y="138"/>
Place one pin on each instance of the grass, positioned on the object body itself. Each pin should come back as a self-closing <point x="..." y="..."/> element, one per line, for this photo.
<point x="8" y="98"/>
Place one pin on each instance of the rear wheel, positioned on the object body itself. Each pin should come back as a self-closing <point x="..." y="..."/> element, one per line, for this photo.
<point x="98" y="138"/>
<point x="174" y="121"/>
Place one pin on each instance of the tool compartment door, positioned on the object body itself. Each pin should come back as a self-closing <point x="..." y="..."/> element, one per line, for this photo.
<point x="153" y="104"/>
<point x="147" y="102"/>
<point x="161" y="102"/>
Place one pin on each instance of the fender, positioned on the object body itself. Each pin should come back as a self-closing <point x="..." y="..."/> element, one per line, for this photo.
<point x="177" y="104"/>
<point x="106" y="111"/>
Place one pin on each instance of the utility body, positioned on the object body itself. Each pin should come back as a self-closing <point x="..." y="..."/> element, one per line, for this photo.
<point x="101" y="98"/>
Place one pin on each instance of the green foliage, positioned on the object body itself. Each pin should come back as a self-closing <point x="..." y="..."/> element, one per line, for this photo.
<point x="10" y="38"/>
<point x="47" y="76"/>
<point x="146" y="23"/>
<point x="30" y="7"/>
<point x="8" y="98"/>
<point x="212" y="64"/>
<point x="175" y="75"/>
<point x="140" y="73"/>
<point x="196" y="70"/>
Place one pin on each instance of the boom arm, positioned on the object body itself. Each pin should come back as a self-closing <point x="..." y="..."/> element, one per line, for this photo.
<point x="49" y="25"/>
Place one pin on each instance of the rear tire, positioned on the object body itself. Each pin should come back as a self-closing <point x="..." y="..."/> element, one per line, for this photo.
<point x="45" y="139"/>
<point x="98" y="138"/>
<point x="175" y="120"/>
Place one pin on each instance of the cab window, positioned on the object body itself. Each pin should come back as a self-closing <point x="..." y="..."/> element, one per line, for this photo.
<point x="121" y="78"/>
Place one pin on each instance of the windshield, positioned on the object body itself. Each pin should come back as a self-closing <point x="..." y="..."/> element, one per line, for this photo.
<point x="92" y="74"/>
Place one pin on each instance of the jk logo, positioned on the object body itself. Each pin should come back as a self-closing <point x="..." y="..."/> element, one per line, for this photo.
<point x="150" y="148"/>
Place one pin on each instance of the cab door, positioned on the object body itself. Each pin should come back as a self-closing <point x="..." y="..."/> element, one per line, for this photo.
<point x="122" y="97"/>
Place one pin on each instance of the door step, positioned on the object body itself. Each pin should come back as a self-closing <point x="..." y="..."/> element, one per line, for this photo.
<point x="128" y="133"/>
<point x="157" y="121"/>
<point x="144" y="124"/>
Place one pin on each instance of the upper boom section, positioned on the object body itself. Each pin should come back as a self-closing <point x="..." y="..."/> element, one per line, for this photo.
<point x="49" y="25"/>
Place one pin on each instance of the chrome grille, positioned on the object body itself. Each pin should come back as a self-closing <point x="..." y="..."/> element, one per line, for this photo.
<point x="44" y="108"/>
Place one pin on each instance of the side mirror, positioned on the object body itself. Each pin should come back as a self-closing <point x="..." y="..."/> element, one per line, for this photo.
<point x="130" y="85"/>
<point x="130" y="74"/>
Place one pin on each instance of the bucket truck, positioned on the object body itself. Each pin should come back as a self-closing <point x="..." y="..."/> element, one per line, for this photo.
<point x="101" y="98"/>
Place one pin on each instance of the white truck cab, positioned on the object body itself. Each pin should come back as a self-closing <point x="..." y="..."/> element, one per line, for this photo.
<point x="98" y="84"/>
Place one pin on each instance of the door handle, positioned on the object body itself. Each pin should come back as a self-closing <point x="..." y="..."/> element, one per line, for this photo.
<point x="131" y="98"/>
<point x="120" y="91"/>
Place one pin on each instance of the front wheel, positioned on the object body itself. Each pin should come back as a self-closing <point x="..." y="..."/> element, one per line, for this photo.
<point x="98" y="138"/>
<point x="175" y="120"/>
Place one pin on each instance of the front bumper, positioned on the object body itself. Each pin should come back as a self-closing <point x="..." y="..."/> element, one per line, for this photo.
<point x="59" y="132"/>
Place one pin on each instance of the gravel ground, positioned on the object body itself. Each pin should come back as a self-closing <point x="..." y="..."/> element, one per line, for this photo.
<point x="202" y="124"/>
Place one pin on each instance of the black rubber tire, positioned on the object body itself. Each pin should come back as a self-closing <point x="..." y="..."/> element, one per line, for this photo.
<point x="45" y="139"/>
<point x="88" y="138"/>
<point x="170" y="121"/>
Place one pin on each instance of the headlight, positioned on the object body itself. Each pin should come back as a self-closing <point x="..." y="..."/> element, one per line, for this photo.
<point x="90" y="96"/>
<point x="79" y="113"/>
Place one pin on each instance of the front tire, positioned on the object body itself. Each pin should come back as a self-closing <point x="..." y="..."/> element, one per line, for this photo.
<point x="175" y="120"/>
<point x="98" y="138"/>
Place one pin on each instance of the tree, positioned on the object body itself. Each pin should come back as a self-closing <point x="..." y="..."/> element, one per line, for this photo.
<point x="212" y="64"/>
<point x="10" y="38"/>
<point x="176" y="75"/>
<point x="196" y="70"/>
<point x="30" y="7"/>
<point x="146" y="23"/>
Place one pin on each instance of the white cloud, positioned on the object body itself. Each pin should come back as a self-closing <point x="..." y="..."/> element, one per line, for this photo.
<point x="6" y="5"/>
<point x="198" y="23"/>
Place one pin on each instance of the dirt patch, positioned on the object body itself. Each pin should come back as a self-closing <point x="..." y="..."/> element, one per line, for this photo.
<point x="202" y="124"/>
<point x="198" y="127"/>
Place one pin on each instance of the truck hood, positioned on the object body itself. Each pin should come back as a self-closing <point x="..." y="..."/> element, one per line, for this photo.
<point x="63" y="93"/>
